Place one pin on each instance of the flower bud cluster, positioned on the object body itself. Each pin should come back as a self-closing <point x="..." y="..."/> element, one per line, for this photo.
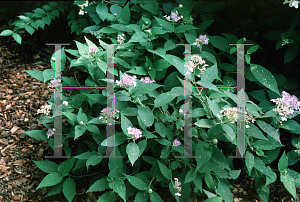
<point x="196" y="62"/>
<point x="232" y="115"/>
<point x="45" y="110"/>
<point x="177" y="186"/>
<point x="292" y="3"/>
<point x="147" y="80"/>
<point x="176" y="143"/>
<point x="107" y="113"/>
<point x="121" y="39"/>
<point x="50" y="132"/>
<point x="127" y="80"/>
<point x="54" y="82"/>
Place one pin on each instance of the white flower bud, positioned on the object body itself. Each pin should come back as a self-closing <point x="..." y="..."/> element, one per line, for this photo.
<point x="180" y="6"/>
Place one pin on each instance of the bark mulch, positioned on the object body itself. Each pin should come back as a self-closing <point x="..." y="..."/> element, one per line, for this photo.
<point x="21" y="97"/>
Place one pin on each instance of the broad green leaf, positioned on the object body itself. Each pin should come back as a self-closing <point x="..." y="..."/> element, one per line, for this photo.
<point x="116" y="9"/>
<point x="209" y="75"/>
<point x="267" y="128"/>
<point x="254" y="131"/>
<point x="205" y="123"/>
<point x="229" y="131"/>
<point x="163" y="99"/>
<point x="170" y="44"/>
<point x="190" y="176"/>
<point x="6" y="33"/>
<point x="79" y="130"/>
<point x="69" y="189"/>
<point x="224" y="191"/>
<point x="283" y="163"/>
<point x="81" y="116"/>
<point x="154" y="197"/>
<point x="165" y="171"/>
<point x="213" y="107"/>
<point x="209" y="180"/>
<point x="249" y="160"/>
<point x="114" y="140"/>
<point x="125" y="14"/>
<point x="146" y="115"/>
<point x="205" y="152"/>
<point x="93" y="160"/>
<point x="138" y="37"/>
<point x="214" y="199"/>
<point x="184" y="28"/>
<point x="92" y="128"/>
<point x="292" y="126"/>
<point x="65" y="167"/>
<point x="125" y="123"/>
<point x="50" y="180"/>
<point x="101" y="7"/>
<point x="151" y="6"/>
<point x="17" y="38"/>
<point x="37" y="134"/>
<point x="47" y="166"/>
<point x="220" y="43"/>
<point x="99" y="185"/>
<point x="204" y="25"/>
<point x="142" y="196"/>
<point x="165" y="24"/>
<point x="137" y="182"/>
<point x="133" y="152"/>
<point x="291" y="53"/>
<point x="119" y="187"/>
<point x="264" y="77"/>
<point x="288" y="183"/>
<point x="107" y="197"/>
<point x="263" y="191"/>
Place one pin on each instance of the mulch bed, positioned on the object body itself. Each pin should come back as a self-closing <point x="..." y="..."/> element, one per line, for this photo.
<point x="21" y="97"/>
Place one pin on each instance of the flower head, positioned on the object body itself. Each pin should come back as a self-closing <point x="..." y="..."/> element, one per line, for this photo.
<point x="127" y="80"/>
<point x="134" y="132"/>
<point x="147" y="80"/>
<point x="50" y="132"/>
<point x="177" y="186"/>
<point x="232" y="115"/>
<point x="174" y="15"/>
<point x="108" y="114"/>
<point x="54" y="82"/>
<point x="45" y="110"/>
<point x="121" y="39"/>
<point x="176" y="143"/>
<point x="93" y="49"/>
<point x="65" y="103"/>
<point x="201" y="40"/>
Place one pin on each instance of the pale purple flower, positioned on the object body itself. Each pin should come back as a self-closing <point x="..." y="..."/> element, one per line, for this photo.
<point x="108" y="113"/>
<point x="65" y="103"/>
<point x="136" y="133"/>
<point x="176" y="143"/>
<point x="120" y="38"/>
<point x="127" y="80"/>
<point x="291" y="100"/>
<point x="201" y="40"/>
<point x="176" y="16"/>
<point x="50" y="132"/>
<point x="177" y="186"/>
<point x="93" y="49"/>
<point x="147" y="80"/>
<point x="54" y="82"/>
<point x="181" y="111"/>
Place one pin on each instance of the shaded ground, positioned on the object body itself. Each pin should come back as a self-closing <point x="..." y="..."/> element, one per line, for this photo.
<point x="21" y="97"/>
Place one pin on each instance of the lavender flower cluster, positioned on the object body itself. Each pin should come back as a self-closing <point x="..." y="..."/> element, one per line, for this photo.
<point x="107" y="113"/>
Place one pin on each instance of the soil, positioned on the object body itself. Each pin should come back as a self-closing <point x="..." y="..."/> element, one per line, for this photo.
<point x="21" y="97"/>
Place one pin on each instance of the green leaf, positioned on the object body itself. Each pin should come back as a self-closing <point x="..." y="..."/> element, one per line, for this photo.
<point x="56" y="189"/>
<point x="292" y="126"/>
<point x="107" y="197"/>
<point x="229" y="131"/>
<point x="204" y="25"/>
<point x="288" y="183"/>
<point x="79" y="130"/>
<point x="184" y="28"/>
<point x="291" y="53"/>
<point x="220" y="43"/>
<point x="122" y="62"/>
<point x="254" y="131"/>
<point x="65" y="167"/>
<point x="81" y="116"/>
<point x="6" y="33"/>
<point x="142" y="196"/>
<point x="50" y="180"/>
<point x="213" y="107"/>
<point x="116" y="9"/>
<point x="165" y="24"/>
<point x="143" y="88"/>
<point x="259" y="95"/>
<point x="265" y="77"/>
<point x="146" y="115"/>
<point x="138" y="37"/>
<point x="119" y="187"/>
<point x="17" y="38"/>
<point x="170" y="44"/>
<point x="46" y="20"/>
<point x="133" y="152"/>
<point x="190" y="176"/>
<point x="151" y="6"/>
<point x="283" y="163"/>
<point x="125" y="123"/>
<point x="209" y="180"/>
<point x="101" y="7"/>
<point x="224" y="191"/>
<point x="98" y="186"/>
<point x="39" y="11"/>
<point x="263" y="191"/>
<point x="37" y="134"/>
<point x="107" y="16"/>
<point x="267" y="128"/>
<point x="205" y="123"/>
<point x="165" y="171"/>
<point x="205" y="151"/>
<point x="125" y="14"/>
<point x="252" y="49"/>
<point x="137" y="182"/>
<point x="69" y="189"/>
<point x="167" y="7"/>
<point x="210" y="74"/>
<point x="249" y="160"/>
<point x="47" y="166"/>
<point x="154" y="197"/>
<point x="93" y="160"/>
<point x="163" y="99"/>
